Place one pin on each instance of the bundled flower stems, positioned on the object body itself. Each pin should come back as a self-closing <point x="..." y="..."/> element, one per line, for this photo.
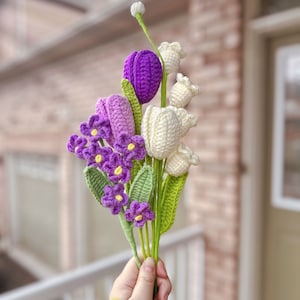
<point x="136" y="164"/>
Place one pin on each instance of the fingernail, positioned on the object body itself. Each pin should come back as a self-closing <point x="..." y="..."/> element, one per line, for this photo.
<point x="149" y="265"/>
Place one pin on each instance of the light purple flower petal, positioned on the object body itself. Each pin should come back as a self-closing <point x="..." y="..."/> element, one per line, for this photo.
<point x="139" y="213"/>
<point x="77" y="144"/>
<point x="114" y="198"/>
<point x="96" y="128"/>
<point x="96" y="156"/>
<point x="131" y="147"/>
<point x="117" y="168"/>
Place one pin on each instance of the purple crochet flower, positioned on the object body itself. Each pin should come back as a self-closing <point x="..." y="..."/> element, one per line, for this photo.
<point x="132" y="147"/>
<point x="114" y="198"/>
<point x="117" y="168"/>
<point x="96" y="128"/>
<point x="117" y="109"/>
<point x="77" y="144"/>
<point x="139" y="213"/>
<point x="144" y="71"/>
<point x="96" y="156"/>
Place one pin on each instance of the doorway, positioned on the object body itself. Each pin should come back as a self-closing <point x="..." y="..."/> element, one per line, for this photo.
<point x="281" y="221"/>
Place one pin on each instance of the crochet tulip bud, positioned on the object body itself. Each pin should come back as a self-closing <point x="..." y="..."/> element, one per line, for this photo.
<point x="182" y="91"/>
<point x="179" y="161"/>
<point x="118" y="110"/>
<point x="144" y="71"/>
<point x="187" y="120"/>
<point x="161" y="131"/>
<point x="171" y="54"/>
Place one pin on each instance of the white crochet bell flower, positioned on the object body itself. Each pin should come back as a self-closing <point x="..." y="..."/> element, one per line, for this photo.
<point x="187" y="120"/>
<point x="161" y="131"/>
<point x="182" y="91"/>
<point x="179" y="162"/>
<point x="171" y="54"/>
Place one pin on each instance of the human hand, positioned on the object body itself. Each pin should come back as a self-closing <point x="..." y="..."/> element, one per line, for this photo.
<point x="135" y="284"/>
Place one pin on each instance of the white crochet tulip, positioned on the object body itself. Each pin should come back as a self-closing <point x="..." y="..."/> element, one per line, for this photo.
<point x="171" y="54"/>
<point x="182" y="91"/>
<point x="161" y="131"/>
<point x="178" y="163"/>
<point x="187" y="120"/>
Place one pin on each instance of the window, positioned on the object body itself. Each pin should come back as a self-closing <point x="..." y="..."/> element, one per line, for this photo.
<point x="35" y="206"/>
<point x="286" y="129"/>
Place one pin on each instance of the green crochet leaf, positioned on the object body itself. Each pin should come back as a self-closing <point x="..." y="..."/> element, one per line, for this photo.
<point x="136" y="107"/>
<point x="96" y="181"/>
<point x="141" y="188"/>
<point x="172" y="190"/>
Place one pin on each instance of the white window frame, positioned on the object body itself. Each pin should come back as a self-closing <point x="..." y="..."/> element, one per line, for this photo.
<point x="277" y="198"/>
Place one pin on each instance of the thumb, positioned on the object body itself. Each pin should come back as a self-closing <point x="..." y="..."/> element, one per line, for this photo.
<point x="145" y="282"/>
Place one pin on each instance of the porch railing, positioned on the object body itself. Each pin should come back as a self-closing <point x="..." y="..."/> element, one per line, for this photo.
<point x="182" y="251"/>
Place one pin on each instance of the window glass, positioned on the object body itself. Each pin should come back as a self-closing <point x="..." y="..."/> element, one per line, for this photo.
<point x="37" y="209"/>
<point x="291" y="178"/>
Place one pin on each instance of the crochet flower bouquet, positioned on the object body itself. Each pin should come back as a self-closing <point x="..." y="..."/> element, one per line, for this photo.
<point x="136" y="164"/>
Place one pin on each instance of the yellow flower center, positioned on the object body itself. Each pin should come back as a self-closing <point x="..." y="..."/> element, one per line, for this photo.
<point x="98" y="158"/>
<point x="119" y="198"/>
<point x="118" y="170"/>
<point x="94" y="132"/>
<point x="138" y="218"/>
<point x="131" y="146"/>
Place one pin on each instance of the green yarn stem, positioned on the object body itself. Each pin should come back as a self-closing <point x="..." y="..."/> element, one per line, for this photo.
<point x="163" y="99"/>
<point x="147" y="239"/>
<point x="158" y="167"/>
<point x="141" y="235"/>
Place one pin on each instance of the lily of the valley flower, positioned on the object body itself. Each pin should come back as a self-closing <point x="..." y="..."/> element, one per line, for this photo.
<point x="179" y="161"/>
<point x="161" y="131"/>
<point x="171" y="54"/>
<point x="187" y="120"/>
<point x="144" y="71"/>
<point x="182" y="91"/>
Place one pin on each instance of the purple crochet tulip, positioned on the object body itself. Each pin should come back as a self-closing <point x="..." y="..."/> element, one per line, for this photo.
<point x="77" y="144"/>
<point x="114" y="198"/>
<point x="139" y="213"/>
<point x="144" y="71"/>
<point x="118" y="110"/>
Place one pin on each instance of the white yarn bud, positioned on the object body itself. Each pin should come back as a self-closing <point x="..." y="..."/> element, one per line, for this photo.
<point x="182" y="91"/>
<point x="137" y="7"/>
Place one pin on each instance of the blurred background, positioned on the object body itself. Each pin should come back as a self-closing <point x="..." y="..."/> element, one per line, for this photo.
<point x="58" y="57"/>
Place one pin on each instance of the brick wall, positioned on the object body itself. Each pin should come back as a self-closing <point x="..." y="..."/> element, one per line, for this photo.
<point x="58" y="96"/>
<point x="215" y="36"/>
